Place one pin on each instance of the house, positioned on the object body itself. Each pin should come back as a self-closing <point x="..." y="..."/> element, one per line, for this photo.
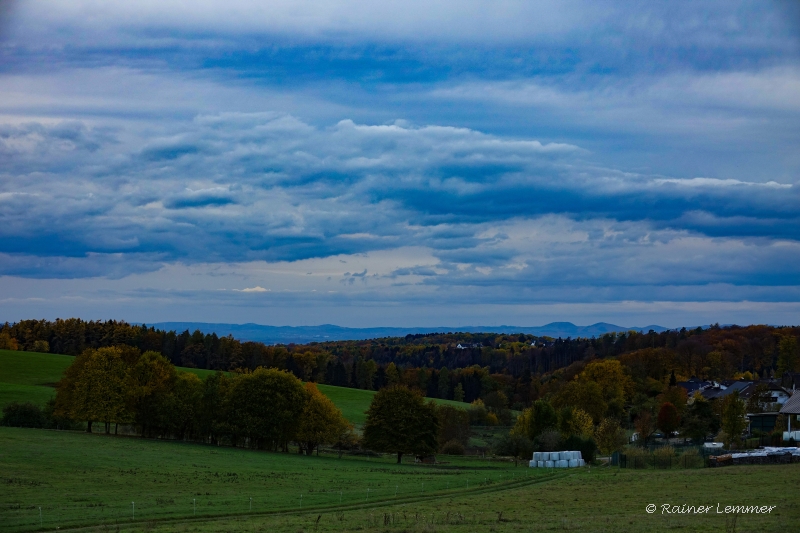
<point x="694" y="384"/>
<point x="724" y="388"/>
<point x="792" y="411"/>
<point x="467" y="345"/>
<point x="775" y="394"/>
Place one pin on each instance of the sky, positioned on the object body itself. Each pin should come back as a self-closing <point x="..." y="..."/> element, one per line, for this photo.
<point x="401" y="163"/>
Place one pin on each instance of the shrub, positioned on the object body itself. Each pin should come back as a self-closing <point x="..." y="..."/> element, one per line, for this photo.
<point x="54" y="421"/>
<point x="636" y="451"/>
<point x="22" y="415"/>
<point x="7" y="342"/>
<point x="478" y="413"/>
<point x="453" y="447"/>
<point x="664" y="451"/>
<point x="549" y="440"/>
<point x="513" y="445"/>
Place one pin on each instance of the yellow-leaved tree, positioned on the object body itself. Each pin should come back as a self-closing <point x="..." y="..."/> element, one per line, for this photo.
<point x="93" y="388"/>
<point x="321" y="422"/>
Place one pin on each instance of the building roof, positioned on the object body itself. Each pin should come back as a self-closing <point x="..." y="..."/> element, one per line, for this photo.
<point x="792" y="405"/>
<point x="771" y="387"/>
<point x="694" y="384"/>
<point x="714" y="393"/>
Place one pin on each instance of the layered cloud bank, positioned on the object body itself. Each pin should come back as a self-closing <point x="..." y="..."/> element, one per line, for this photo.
<point x="332" y="163"/>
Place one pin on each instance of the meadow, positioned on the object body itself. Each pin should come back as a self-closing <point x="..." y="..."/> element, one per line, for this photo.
<point x="72" y="480"/>
<point x="132" y="484"/>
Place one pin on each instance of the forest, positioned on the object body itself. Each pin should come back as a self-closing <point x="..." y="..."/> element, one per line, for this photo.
<point x="617" y="379"/>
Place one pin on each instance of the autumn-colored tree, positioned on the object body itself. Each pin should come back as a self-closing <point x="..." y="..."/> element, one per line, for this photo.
<point x="583" y="394"/>
<point x="264" y="407"/>
<point x="321" y="422"/>
<point x="305" y="362"/>
<point x="614" y="381"/>
<point x="609" y="436"/>
<point x="734" y="419"/>
<point x="535" y="420"/>
<point x="645" y="425"/>
<point x="66" y="392"/>
<point x="669" y="420"/>
<point x="677" y="396"/>
<point x="7" y="342"/>
<point x="41" y="346"/>
<point x="399" y="421"/>
<point x="93" y="388"/>
<point x="149" y="383"/>
<point x="575" y="421"/>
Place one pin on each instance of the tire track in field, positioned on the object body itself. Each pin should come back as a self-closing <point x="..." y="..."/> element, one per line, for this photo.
<point x="399" y="500"/>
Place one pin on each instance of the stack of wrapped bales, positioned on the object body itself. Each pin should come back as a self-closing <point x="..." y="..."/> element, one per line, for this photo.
<point x="567" y="459"/>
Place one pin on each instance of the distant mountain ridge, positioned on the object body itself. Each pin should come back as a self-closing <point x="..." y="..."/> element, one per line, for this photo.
<point x="329" y="332"/>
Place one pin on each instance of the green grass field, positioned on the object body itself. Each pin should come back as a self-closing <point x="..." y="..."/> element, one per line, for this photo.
<point x="29" y="377"/>
<point x="91" y="480"/>
<point x="72" y="480"/>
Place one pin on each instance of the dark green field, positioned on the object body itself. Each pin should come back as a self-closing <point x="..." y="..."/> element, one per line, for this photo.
<point x="81" y="480"/>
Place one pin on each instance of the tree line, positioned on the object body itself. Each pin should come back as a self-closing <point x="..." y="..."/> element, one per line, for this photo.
<point x="264" y="409"/>
<point x="623" y="379"/>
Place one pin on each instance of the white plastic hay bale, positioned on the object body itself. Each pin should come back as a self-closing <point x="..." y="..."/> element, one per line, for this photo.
<point x="573" y="463"/>
<point x="535" y="456"/>
<point x="547" y="456"/>
<point x="532" y="464"/>
<point x="549" y="464"/>
<point x="562" y="464"/>
<point x="541" y="464"/>
<point x="581" y="462"/>
<point x="560" y="456"/>
<point x="571" y="456"/>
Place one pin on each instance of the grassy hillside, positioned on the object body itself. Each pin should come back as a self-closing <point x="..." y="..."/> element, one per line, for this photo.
<point x="29" y="377"/>
<point x="80" y="479"/>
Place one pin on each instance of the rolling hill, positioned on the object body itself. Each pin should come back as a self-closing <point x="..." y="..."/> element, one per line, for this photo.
<point x="31" y="377"/>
